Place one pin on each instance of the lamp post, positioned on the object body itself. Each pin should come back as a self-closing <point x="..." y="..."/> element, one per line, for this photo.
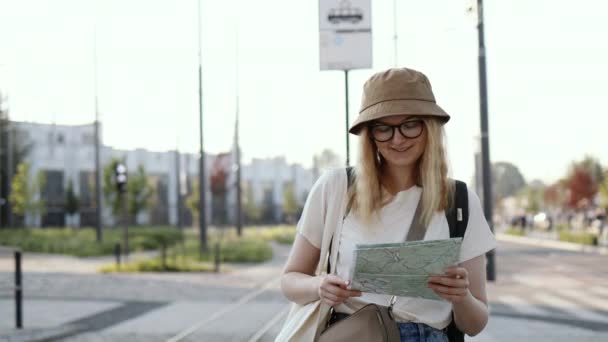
<point x="201" y="172"/>
<point x="485" y="137"/>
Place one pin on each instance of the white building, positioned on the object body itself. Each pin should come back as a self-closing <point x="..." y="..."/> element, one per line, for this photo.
<point x="67" y="154"/>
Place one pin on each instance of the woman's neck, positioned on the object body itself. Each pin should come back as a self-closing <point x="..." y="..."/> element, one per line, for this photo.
<point x="398" y="178"/>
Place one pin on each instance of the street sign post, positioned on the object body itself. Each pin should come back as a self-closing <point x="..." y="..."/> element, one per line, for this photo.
<point x="345" y="41"/>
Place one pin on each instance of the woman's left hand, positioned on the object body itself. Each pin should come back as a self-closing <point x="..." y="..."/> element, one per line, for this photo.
<point x="453" y="286"/>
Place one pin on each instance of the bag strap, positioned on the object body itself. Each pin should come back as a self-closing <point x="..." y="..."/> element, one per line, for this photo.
<point x="458" y="219"/>
<point x="457" y="214"/>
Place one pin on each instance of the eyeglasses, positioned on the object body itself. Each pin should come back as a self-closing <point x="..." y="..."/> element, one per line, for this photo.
<point x="382" y="132"/>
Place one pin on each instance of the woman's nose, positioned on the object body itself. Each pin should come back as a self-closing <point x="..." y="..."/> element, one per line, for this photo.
<point x="397" y="137"/>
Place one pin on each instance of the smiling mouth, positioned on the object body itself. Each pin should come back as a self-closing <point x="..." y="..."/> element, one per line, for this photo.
<point x="402" y="150"/>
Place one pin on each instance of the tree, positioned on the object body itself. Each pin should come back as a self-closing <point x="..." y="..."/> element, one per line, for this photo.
<point x="253" y="211"/>
<point x="193" y="200"/>
<point x="506" y="180"/>
<point x="72" y="202"/>
<point x="25" y="197"/>
<point x="533" y="194"/>
<point x="290" y="204"/>
<point x="111" y="195"/>
<point x="555" y="195"/>
<point x="593" y="167"/>
<point x="140" y="191"/>
<point x="582" y="188"/>
<point x="603" y="188"/>
<point x="14" y="148"/>
<point x="218" y="179"/>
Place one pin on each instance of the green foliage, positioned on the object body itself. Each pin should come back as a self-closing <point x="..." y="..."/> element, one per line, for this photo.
<point x="290" y="204"/>
<point x="533" y="195"/>
<point x="580" y="238"/>
<point x="515" y="231"/>
<point x="25" y="197"/>
<point x="179" y="263"/>
<point x="186" y="257"/>
<point x="193" y="200"/>
<point x="140" y="191"/>
<point x="72" y="202"/>
<point x="507" y="180"/>
<point x="593" y="168"/>
<point x="253" y="212"/>
<point x="280" y="234"/>
<point x="604" y="190"/>
<point x="83" y="242"/>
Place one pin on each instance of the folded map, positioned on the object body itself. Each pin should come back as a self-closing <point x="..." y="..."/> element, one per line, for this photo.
<point x="402" y="269"/>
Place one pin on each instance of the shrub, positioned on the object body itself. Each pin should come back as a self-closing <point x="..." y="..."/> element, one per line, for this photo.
<point x="515" y="231"/>
<point x="580" y="238"/>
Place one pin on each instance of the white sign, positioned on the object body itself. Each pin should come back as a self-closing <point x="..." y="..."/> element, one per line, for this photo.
<point x="345" y="34"/>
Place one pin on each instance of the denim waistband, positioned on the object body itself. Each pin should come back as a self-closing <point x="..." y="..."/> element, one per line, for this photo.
<point x="409" y="331"/>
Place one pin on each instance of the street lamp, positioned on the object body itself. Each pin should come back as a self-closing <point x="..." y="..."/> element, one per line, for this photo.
<point x="485" y="137"/>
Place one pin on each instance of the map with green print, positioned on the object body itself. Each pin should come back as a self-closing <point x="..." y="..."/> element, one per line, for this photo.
<point x="402" y="269"/>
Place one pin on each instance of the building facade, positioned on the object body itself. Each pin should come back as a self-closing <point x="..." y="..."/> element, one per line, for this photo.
<point x="66" y="154"/>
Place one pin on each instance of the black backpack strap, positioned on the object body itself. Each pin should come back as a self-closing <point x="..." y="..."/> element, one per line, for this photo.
<point x="458" y="213"/>
<point x="458" y="219"/>
<point x="350" y="177"/>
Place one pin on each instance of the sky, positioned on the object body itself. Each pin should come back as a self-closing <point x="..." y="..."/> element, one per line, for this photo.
<point x="546" y="65"/>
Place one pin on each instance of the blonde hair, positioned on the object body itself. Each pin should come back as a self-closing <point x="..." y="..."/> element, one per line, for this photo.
<point x="365" y="197"/>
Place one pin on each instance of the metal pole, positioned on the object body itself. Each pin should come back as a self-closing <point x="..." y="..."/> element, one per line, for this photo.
<point x="18" y="292"/>
<point x="395" y="36"/>
<point x="126" y="224"/>
<point x="485" y="138"/>
<point x="201" y="171"/>
<point x="98" y="201"/>
<point x="239" y="190"/>
<point x="117" y="255"/>
<point x="237" y="145"/>
<point x="178" y="190"/>
<point x="347" y="119"/>
<point x="9" y="172"/>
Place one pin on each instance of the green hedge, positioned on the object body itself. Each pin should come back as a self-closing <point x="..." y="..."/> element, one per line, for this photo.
<point x="187" y="258"/>
<point x="580" y="238"/>
<point x="82" y="242"/>
<point x="280" y="234"/>
<point x="515" y="231"/>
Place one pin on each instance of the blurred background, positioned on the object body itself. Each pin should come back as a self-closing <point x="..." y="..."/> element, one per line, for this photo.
<point x="109" y="230"/>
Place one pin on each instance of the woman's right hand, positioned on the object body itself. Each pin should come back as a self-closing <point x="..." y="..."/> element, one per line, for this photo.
<point x="333" y="290"/>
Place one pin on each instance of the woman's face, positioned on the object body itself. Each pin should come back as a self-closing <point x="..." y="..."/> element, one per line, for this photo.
<point x="400" y="139"/>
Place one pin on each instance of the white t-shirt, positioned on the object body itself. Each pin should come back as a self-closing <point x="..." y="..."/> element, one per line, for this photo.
<point x="392" y="225"/>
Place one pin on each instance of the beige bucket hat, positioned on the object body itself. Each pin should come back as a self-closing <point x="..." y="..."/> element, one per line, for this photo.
<point x="395" y="92"/>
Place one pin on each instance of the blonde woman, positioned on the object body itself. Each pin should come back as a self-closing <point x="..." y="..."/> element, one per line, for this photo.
<point x="402" y="165"/>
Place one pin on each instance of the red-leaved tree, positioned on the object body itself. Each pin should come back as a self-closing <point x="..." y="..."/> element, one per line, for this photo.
<point x="582" y="188"/>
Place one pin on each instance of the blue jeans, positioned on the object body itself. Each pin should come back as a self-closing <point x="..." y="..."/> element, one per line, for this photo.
<point x="410" y="332"/>
<point x="419" y="332"/>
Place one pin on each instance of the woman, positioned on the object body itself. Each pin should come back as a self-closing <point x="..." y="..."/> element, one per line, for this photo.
<point x="402" y="164"/>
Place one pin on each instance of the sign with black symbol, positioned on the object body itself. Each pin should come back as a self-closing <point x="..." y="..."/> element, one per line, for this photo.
<point x="345" y="34"/>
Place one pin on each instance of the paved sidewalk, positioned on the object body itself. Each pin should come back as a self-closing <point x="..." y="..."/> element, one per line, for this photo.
<point x="245" y="304"/>
<point x="139" y="306"/>
<point x="545" y="240"/>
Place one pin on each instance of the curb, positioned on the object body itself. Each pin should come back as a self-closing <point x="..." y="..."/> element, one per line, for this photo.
<point x="568" y="246"/>
<point x="41" y="334"/>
